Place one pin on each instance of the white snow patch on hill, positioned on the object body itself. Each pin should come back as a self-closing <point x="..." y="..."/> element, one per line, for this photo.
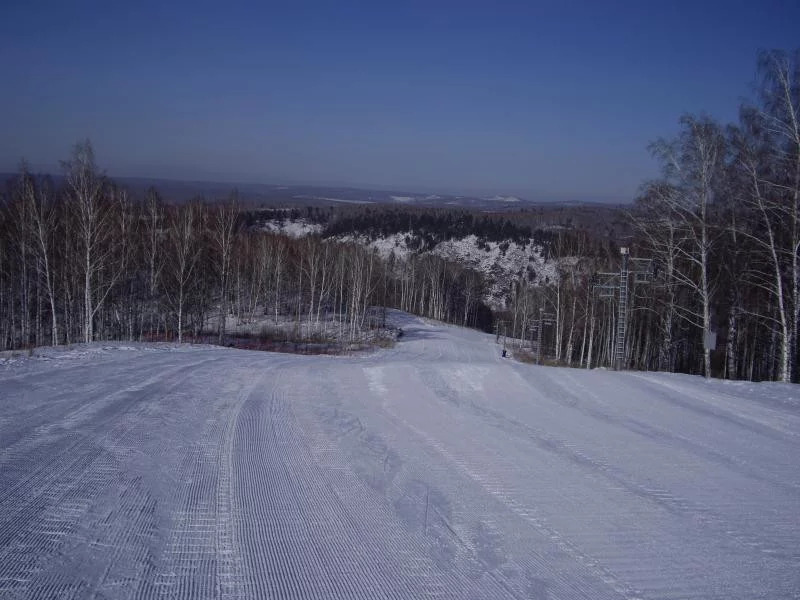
<point x="499" y="267"/>
<point x="296" y="229"/>
<point x="504" y="199"/>
<point x="499" y="262"/>
<point x="328" y="199"/>
<point x="395" y="243"/>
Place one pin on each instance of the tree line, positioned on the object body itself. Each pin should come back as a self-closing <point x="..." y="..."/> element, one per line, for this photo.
<point x="720" y="232"/>
<point x="81" y="261"/>
<point x="430" y="227"/>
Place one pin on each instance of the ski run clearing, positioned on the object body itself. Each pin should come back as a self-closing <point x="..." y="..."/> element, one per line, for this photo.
<point x="435" y="469"/>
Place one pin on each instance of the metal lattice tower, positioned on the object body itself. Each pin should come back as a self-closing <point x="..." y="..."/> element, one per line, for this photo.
<point x="545" y="318"/>
<point x="539" y="343"/>
<point x="619" y="347"/>
<point x="612" y="286"/>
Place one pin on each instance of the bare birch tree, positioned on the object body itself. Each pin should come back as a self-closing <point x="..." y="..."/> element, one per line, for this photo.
<point x="223" y="233"/>
<point x="779" y="116"/>
<point x="87" y="190"/>
<point x="185" y="236"/>
<point x="692" y="166"/>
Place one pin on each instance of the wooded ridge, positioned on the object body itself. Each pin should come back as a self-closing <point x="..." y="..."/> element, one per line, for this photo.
<point x="711" y="284"/>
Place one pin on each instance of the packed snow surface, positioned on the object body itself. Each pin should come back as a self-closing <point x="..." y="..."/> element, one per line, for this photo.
<point x="435" y="469"/>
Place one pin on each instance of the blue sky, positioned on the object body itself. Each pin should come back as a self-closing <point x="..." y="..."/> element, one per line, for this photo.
<point x="550" y="100"/>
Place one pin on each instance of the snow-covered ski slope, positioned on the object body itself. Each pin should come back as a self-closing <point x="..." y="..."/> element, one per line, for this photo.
<point x="435" y="469"/>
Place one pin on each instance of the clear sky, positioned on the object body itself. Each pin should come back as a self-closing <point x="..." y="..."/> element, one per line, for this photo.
<point x="550" y="100"/>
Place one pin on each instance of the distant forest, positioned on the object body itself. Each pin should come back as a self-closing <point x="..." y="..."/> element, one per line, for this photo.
<point x="433" y="226"/>
<point x="711" y="284"/>
<point x="83" y="262"/>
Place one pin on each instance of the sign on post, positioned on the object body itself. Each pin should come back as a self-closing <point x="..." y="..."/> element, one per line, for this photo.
<point x="709" y="340"/>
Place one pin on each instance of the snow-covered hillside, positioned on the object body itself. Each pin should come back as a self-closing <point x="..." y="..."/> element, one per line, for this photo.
<point x="500" y="262"/>
<point x="293" y="228"/>
<point x="433" y="469"/>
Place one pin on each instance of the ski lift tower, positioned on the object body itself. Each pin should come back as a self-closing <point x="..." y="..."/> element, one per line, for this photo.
<point x="611" y="285"/>
<point x="545" y="318"/>
<point x="619" y="346"/>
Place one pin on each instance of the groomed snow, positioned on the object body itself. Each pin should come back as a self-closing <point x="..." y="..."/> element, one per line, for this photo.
<point x="433" y="469"/>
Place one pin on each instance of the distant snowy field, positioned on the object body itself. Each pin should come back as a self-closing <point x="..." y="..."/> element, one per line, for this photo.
<point x="433" y="469"/>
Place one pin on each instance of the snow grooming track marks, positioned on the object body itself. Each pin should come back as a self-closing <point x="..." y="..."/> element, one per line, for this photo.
<point x="34" y="420"/>
<point x="749" y="415"/>
<point x="431" y="469"/>
<point x="772" y="450"/>
<point x="686" y="436"/>
<point x="55" y="452"/>
<point x="488" y="539"/>
<point x="442" y="425"/>
<point x="131" y="435"/>
<point x="690" y="527"/>
<point x="716" y="503"/>
<point x="395" y="558"/>
<point x="202" y="558"/>
<point x="42" y="511"/>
